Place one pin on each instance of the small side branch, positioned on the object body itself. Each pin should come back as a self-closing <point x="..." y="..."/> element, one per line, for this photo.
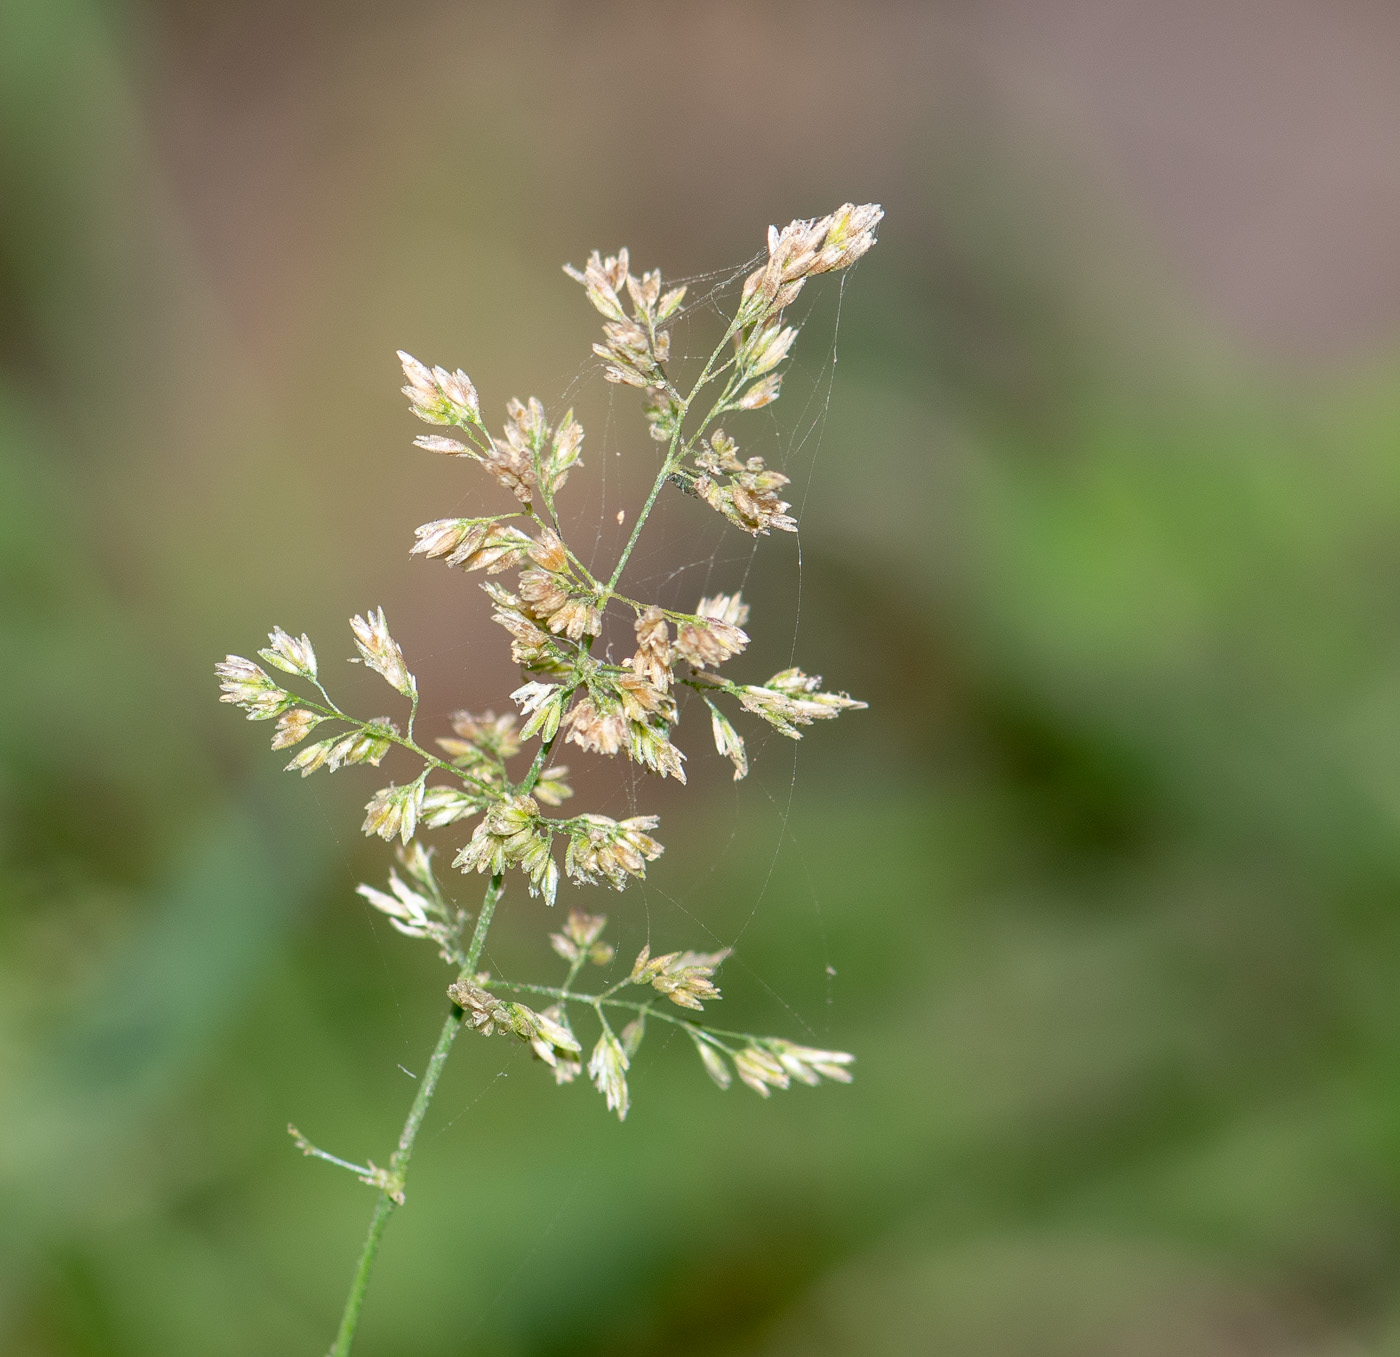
<point x="370" y="1174"/>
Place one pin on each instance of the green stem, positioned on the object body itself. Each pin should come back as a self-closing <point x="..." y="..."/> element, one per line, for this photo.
<point x="674" y="453"/>
<point x="410" y="744"/>
<point x="398" y="1165"/>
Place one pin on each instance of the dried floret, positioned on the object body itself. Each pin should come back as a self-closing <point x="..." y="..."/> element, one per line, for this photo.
<point x="447" y="447"/>
<point x="481" y="738"/>
<point x="728" y="608"/>
<point x="548" y="551"/>
<point x="511" y="834"/>
<point x="381" y="652"/>
<point x="291" y="654"/>
<point x="294" y="726"/>
<point x="594" y="731"/>
<point x="394" y="811"/>
<point x="442" y="806"/>
<point x="630" y="1038"/>
<point x="579" y="939"/>
<point x="709" y="641"/>
<point x="439" y="396"/>
<point x="728" y="741"/>
<point x="419" y="915"/>
<point x="563" y="453"/>
<point x="683" y="977"/>
<point x="615" y="850"/>
<point x="472" y="543"/>
<point x="649" y="744"/>
<point x="551" y="789"/>
<point x="763" y="348"/>
<point x="542" y="593"/>
<point x="553" y="600"/>
<point x="545" y="1032"/>
<point x="366" y="744"/>
<point x="744" y="492"/>
<point x="652" y="662"/>
<point x="544" y="704"/>
<point x="601" y="279"/>
<point x="607" y="1067"/>
<point x="760" y="1070"/>
<point x="761" y="393"/>
<point x="791" y="699"/>
<point x="637" y="345"/>
<point x="531" y="647"/>
<point x="802" y="249"/>
<point x="810" y="1066"/>
<point x="715" y="1064"/>
<point x="663" y="415"/>
<point x="248" y="685"/>
<point x="567" y="1064"/>
<point x="512" y="460"/>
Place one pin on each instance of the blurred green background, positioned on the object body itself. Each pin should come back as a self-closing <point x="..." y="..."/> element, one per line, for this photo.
<point x="1101" y="513"/>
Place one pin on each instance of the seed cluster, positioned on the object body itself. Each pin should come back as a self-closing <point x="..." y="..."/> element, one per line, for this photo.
<point x="553" y="612"/>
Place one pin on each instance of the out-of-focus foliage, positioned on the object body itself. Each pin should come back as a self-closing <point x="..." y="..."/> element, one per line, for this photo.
<point x="1102" y="890"/>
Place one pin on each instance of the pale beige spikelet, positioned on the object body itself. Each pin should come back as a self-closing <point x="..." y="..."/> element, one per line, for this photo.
<point x="481" y="737"/>
<point x="291" y="654"/>
<point x="447" y="447"/>
<point x="472" y="543"/>
<point x="683" y="977"/>
<point x="543" y="703"/>
<point x="567" y="1065"/>
<point x="728" y="741"/>
<point x="381" y="652"/>
<point x="294" y="726"/>
<point x="612" y="849"/>
<point x="552" y="789"/>
<point x="707" y="641"/>
<point x="548" y="552"/>
<point x="607" y="1067"/>
<point x="805" y="248"/>
<point x="443" y="806"/>
<point x="394" y="811"/>
<point x="760" y="1070"/>
<point x="715" y="1064"/>
<point x="247" y="685"/>
<point x="576" y="619"/>
<point x="791" y="699"/>
<point x="808" y="1065"/>
<point x="415" y="914"/>
<point x="652" y="662"/>
<point x="761" y="393"/>
<point x="595" y="732"/>
<point x="580" y="938"/>
<point x="648" y="744"/>
<point x="438" y="396"/>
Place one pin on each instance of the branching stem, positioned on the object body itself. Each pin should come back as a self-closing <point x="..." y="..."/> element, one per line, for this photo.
<point x="398" y="1165"/>
<point x="604" y="1000"/>
<point x="674" y="453"/>
<point x="392" y="1192"/>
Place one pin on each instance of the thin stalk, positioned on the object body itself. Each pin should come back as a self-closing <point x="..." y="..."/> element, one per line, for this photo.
<point x="674" y="453"/>
<point x="596" y="1000"/>
<point x="542" y="753"/>
<point x="410" y="744"/>
<point x="398" y="1165"/>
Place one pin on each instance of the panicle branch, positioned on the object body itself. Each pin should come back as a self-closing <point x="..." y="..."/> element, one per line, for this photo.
<point x="553" y="611"/>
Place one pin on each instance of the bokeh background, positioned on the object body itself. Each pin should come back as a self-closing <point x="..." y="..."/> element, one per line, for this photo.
<point x="1101" y="513"/>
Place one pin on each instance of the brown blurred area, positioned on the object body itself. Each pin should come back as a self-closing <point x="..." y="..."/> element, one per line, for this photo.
<point x="1100" y="512"/>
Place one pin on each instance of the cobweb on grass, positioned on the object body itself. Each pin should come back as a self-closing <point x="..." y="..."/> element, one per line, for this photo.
<point x="721" y="559"/>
